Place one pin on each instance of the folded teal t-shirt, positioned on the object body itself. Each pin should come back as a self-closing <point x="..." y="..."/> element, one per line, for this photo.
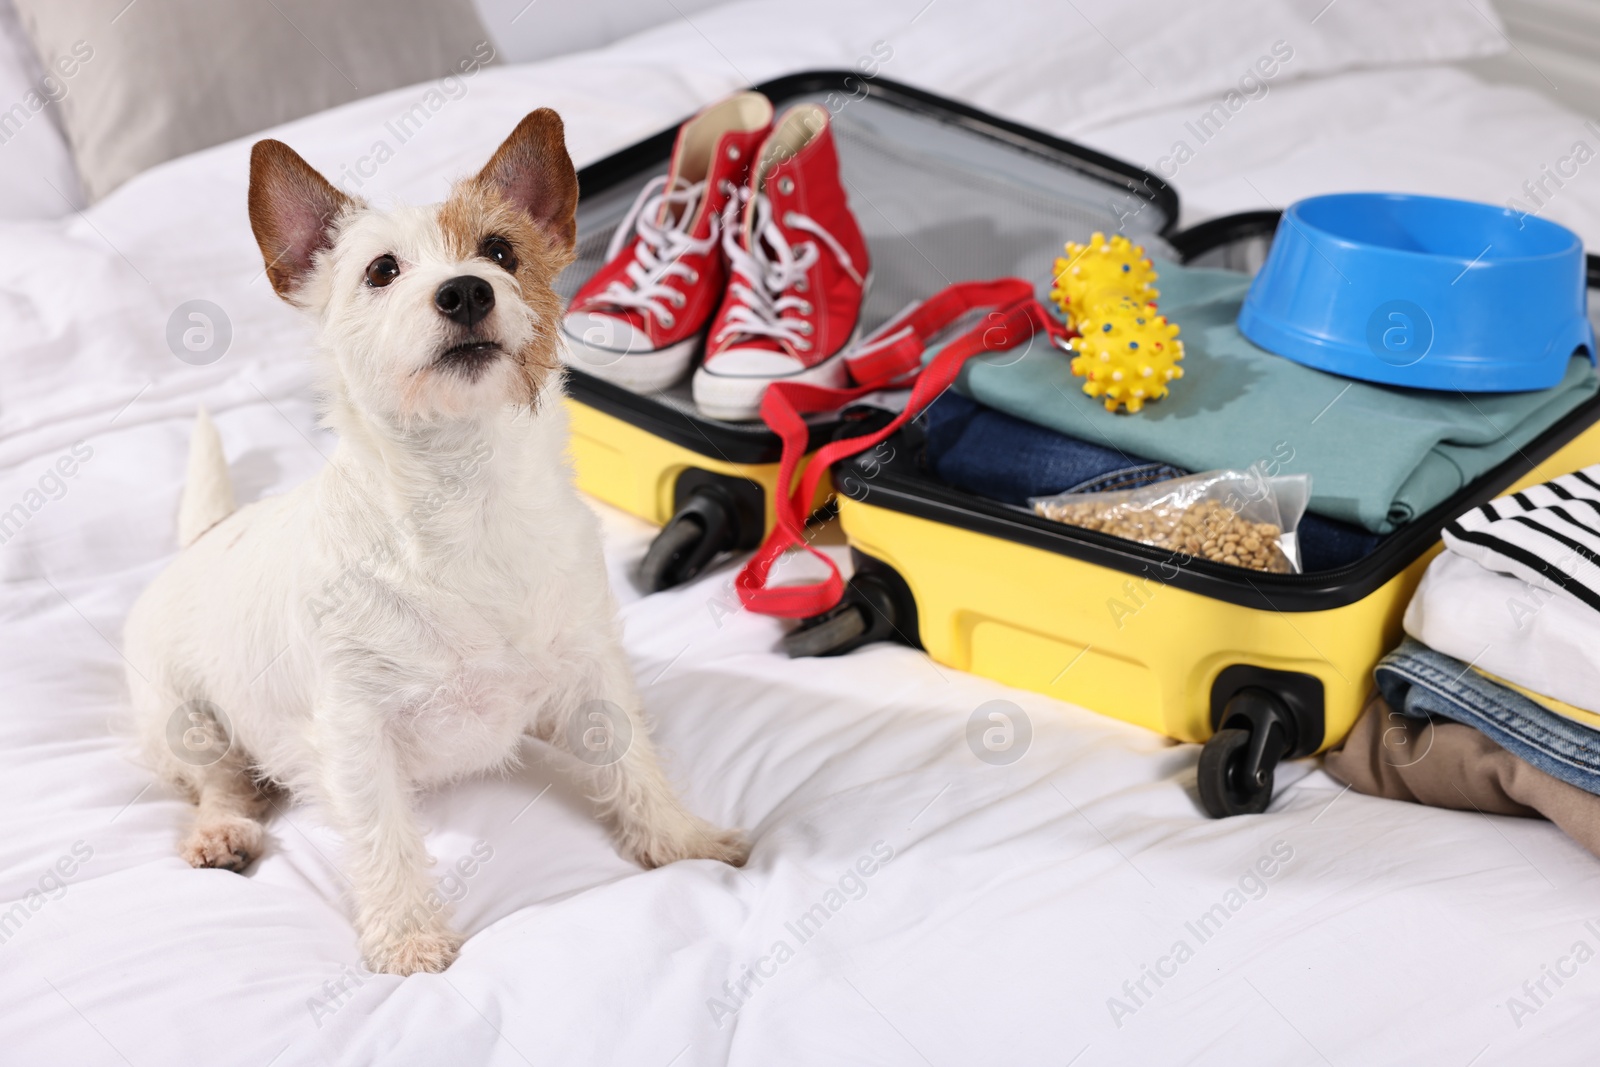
<point x="1377" y="455"/>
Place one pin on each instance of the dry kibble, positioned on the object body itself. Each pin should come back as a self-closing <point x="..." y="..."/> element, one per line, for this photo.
<point x="1207" y="529"/>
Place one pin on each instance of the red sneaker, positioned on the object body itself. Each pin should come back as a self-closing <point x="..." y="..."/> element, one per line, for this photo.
<point x="799" y="274"/>
<point x="639" y="321"/>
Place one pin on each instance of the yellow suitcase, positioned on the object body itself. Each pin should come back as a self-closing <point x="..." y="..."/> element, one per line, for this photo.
<point x="1261" y="667"/>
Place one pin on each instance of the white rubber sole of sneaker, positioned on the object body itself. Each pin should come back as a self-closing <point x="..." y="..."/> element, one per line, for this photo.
<point x="738" y="399"/>
<point x="732" y="398"/>
<point x="641" y="372"/>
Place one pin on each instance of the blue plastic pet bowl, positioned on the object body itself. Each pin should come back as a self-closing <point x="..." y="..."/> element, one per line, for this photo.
<point x="1423" y="292"/>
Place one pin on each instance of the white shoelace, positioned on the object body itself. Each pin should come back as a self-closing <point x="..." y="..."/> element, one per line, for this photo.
<point x="658" y="257"/>
<point x="767" y="270"/>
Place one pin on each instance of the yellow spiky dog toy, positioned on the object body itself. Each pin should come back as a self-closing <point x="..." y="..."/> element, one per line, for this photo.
<point x="1125" y="348"/>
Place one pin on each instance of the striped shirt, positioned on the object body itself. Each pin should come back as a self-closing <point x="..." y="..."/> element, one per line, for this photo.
<point x="1547" y="535"/>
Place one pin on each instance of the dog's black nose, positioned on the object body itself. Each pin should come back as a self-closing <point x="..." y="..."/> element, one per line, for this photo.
<point x="466" y="299"/>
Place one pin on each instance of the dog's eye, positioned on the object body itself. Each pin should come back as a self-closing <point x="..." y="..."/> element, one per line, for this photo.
<point x="499" y="249"/>
<point x="382" y="271"/>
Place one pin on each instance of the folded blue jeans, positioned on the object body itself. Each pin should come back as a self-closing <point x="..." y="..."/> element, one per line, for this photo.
<point x="1420" y="683"/>
<point x="995" y="455"/>
<point x="988" y="452"/>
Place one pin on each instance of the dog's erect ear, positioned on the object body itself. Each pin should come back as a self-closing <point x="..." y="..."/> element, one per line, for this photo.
<point x="292" y="210"/>
<point x="534" y="173"/>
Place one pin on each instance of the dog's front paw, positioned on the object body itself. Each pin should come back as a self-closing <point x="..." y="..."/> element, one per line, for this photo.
<point x="427" y="951"/>
<point x="696" y="841"/>
<point x="229" y="842"/>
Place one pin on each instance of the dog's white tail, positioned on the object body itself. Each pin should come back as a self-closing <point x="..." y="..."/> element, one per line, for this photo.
<point x="207" y="492"/>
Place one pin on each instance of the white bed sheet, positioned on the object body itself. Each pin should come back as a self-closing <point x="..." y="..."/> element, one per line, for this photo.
<point x="1019" y="898"/>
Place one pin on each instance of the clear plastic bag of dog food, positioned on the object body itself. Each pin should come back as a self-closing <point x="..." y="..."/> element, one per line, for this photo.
<point x="1242" y="518"/>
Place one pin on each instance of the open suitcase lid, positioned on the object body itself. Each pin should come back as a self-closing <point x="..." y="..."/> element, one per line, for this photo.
<point x="943" y="192"/>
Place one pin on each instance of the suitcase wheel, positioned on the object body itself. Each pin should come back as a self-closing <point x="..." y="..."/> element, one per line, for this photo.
<point x="713" y="517"/>
<point x="829" y="634"/>
<point x="872" y="609"/>
<point x="1236" y="765"/>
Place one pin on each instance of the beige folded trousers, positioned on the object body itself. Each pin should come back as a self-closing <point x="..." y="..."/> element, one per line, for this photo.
<point x="1448" y="765"/>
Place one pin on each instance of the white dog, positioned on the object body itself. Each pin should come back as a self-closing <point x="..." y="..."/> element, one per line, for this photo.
<point x="438" y="591"/>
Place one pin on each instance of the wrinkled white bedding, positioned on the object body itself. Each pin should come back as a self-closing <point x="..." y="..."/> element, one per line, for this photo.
<point x="1016" y="901"/>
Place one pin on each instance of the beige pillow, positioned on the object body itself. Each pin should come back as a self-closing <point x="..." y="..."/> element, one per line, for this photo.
<point x="156" y="79"/>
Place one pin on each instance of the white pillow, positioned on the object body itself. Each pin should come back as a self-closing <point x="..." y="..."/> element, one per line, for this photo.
<point x="37" y="177"/>
<point x="527" y="30"/>
<point x="1114" y="58"/>
<point x="1066" y="67"/>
